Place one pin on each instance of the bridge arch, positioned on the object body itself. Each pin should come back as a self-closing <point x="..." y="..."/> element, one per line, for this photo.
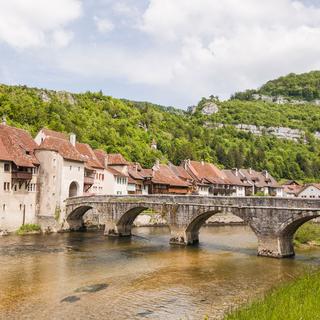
<point x="123" y="225"/>
<point x="75" y="217"/>
<point x="193" y="228"/>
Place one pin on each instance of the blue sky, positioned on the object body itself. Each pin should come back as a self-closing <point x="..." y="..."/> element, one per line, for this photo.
<point x="171" y="52"/>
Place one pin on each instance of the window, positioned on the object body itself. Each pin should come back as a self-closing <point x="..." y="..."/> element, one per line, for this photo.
<point x="7" y="167"/>
<point x="70" y="168"/>
<point x="6" y="186"/>
<point x="4" y="207"/>
<point x="20" y="206"/>
<point x="78" y="168"/>
<point x="15" y="187"/>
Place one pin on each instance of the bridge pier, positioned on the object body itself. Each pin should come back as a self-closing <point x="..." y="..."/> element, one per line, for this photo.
<point x="275" y="246"/>
<point x="183" y="237"/>
<point x="112" y="230"/>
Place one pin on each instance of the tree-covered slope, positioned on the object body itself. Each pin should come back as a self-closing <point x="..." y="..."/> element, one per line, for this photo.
<point x="129" y="127"/>
<point x="305" y="86"/>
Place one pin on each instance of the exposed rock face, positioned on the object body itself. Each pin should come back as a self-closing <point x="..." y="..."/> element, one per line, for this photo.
<point x="210" y="108"/>
<point x="282" y="100"/>
<point x="44" y="96"/>
<point x="279" y="132"/>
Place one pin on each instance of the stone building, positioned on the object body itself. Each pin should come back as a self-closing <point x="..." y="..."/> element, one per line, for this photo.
<point x="18" y="178"/>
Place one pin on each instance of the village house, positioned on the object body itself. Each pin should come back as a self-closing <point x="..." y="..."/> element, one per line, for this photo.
<point x="137" y="175"/>
<point x="18" y="178"/>
<point x="165" y="181"/>
<point x="261" y="182"/>
<point x="61" y="172"/>
<point x="208" y="178"/>
<point x="242" y="187"/>
<point x="116" y="172"/>
<point x="94" y="181"/>
<point x="291" y="188"/>
<point x="310" y="191"/>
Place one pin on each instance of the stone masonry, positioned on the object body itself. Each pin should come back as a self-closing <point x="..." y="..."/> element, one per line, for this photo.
<point x="273" y="220"/>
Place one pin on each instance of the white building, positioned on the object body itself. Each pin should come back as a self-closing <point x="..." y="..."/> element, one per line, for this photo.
<point x="116" y="172"/>
<point x="310" y="191"/>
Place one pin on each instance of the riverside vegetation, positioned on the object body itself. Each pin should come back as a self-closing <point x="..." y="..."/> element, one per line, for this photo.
<point x="129" y="127"/>
<point x="292" y="301"/>
<point x="295" y="300"/>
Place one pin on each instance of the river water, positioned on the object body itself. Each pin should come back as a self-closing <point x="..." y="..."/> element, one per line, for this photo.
<point x="89" y="276"/>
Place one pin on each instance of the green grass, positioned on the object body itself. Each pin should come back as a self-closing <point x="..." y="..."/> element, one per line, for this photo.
<point x="309" y="233"/>
<point x="298" y="300"/>
<point x="28" y="228"/>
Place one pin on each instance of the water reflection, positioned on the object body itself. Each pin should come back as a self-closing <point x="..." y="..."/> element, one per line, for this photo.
<point x="142" y="277"/>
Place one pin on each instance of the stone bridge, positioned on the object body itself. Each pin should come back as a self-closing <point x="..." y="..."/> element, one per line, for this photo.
<point x="273" y="220"/>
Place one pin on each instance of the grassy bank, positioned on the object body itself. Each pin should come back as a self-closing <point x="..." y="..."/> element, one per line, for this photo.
<point x="28" y="228"/>
<point x="292" y="301"/>
<point x="308" y="234"/>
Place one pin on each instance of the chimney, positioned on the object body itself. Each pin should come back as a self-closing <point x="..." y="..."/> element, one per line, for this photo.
<point x="265" y="173"/>
<point x="202" y="162"/>
<point x="73" y="139"/>
<point x="235" y="171"/>
<point x="156" y="166"/>
<point x="250" y="171"/>
<point x="4" y="120"/>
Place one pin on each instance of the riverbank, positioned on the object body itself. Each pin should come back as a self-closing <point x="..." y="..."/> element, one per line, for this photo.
<point x="308" y="235"/>
<point x="296" y="300"/>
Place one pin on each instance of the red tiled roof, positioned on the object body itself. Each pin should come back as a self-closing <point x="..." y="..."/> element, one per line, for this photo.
<point x="18" y="146"/>
<point x="181" y="172"/>
<point x="88" y="156"/>
<point x="164" y="175"/>
<point x="204" y="171"/>
<point x="259" y="179"/>
<point x="55" y="134"/>
<point x="235" y="178"/>
<point x="146" y="173"/>
<point x="101" y="156"/>
<point x="115" y="172"/>
<point x="116" y="159"/>
<point x="63" y="147"/>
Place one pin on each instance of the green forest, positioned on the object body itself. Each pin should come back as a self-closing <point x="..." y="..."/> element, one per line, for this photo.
<point x="305" y="86"/>
<point x="129" y="127"/>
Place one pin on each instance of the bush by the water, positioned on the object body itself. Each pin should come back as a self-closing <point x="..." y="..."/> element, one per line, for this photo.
<point x="309" y="233"/>
<point x="28" y="228"/>
<point x="293" y="301"/>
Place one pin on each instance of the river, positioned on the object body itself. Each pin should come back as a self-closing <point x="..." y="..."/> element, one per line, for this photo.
<point x="88" y="276"/>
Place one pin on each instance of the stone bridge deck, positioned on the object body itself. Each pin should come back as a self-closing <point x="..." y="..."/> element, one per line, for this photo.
<point x="274" y="220"/>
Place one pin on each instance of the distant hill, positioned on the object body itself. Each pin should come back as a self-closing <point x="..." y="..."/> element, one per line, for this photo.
<point x="211" y="131"/>
<point x="305" y="86"/>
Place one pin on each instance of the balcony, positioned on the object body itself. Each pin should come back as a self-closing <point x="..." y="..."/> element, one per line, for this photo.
<point x="21" y="175"/>
<point x="89" y="180"/>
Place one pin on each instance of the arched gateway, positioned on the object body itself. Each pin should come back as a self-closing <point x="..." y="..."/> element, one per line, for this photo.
<point x="273" y="220"/>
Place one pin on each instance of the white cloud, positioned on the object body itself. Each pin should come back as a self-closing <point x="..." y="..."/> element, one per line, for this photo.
<point x="103" y="25"/>
<point x="36" y="23"/>
<point x="196" y="48"/>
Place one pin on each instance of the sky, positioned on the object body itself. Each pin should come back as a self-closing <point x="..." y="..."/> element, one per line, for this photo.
<point x="171" y="52"/>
